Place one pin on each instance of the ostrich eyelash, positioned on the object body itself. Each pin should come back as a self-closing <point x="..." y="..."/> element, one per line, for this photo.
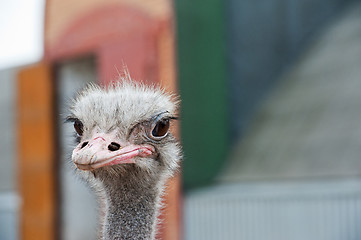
<point x="167" y="117"/>
<point x="174" y="118"/>
<point x="70" y="119"/>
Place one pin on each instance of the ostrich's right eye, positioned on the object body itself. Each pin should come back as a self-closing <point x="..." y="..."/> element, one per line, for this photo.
<point x="160" y="129"/>
<point x="78" y="126"/>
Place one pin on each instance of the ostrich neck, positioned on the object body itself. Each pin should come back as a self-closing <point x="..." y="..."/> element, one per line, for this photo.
<point x="131" y="209"/>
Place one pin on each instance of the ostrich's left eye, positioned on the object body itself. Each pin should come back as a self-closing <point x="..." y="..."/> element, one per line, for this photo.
<point x="78" y="126"/>
<point x="160" y="129"/>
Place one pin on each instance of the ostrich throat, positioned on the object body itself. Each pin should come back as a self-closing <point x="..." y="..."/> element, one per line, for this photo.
<point x="129" y="208"/>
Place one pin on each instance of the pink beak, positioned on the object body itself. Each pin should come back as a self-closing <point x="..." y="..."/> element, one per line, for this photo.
<point x="101" y="151"/>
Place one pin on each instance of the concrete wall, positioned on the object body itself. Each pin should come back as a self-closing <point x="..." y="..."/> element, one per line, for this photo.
<point x="78" y="205"/>
<point x="8" y="196"/>
<point x="264" y="38"/>
<point x="7" y="129"/>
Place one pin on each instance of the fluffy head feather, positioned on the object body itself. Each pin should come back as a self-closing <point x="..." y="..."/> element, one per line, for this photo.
<point x="128" y="109"/>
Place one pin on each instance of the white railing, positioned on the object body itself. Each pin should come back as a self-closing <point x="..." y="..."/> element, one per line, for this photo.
<point x="275" y="211"/>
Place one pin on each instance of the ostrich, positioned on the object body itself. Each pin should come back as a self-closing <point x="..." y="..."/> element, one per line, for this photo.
<point x="126" y="153"/>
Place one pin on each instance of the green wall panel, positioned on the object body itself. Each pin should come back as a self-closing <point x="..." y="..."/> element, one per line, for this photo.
<point x="202" y="79"/>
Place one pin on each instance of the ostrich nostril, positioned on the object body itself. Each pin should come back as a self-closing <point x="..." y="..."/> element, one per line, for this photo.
<point x="113" y="146"/>
<point x="84" y="144"/>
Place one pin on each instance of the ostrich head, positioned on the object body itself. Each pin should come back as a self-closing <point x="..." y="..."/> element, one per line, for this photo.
<point x="126" y="152"/>
<point x="123" y="131"/>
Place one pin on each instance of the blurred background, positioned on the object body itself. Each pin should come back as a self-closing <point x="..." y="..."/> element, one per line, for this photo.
<point x="270" y="117"/>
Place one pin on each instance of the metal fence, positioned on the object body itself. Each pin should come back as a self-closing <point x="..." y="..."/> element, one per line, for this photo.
<point x="275" y="211"/>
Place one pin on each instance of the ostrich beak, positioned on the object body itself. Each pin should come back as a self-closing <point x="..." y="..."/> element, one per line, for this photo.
<point x="101" y="152"/>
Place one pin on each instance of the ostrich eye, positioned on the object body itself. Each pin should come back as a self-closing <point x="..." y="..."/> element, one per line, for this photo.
<point x="78" y="126"/>
<point x="161" y="128"/>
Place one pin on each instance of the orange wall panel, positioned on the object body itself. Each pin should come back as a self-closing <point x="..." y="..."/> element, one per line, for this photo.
<point x="36" y="158"/>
